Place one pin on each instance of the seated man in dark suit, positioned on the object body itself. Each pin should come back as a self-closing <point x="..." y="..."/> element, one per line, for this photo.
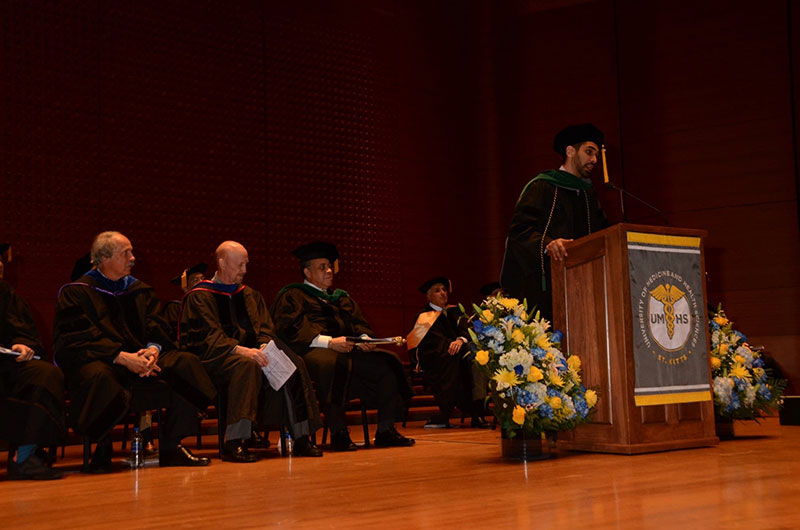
<point x="108" y="338"/>
<point x="31" y="391"/>
<point x="226" y="323"/>
<point x="319" y="323"/>
<point x="440" y="338"/>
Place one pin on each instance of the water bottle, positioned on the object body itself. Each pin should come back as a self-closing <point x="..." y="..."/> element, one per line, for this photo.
<point x="137" y="448"/>
<point x="288" y="445"/>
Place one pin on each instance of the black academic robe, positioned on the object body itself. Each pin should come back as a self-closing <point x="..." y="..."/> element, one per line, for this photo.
<point x="31" y="392"/>
<point x="170" y="315"/>
<point x="575" y="214"/>
<point x="213" y="322"/>
<point x="300" y="314"/>
<point x="92" y="326"/>
<point x="448" y="376"/>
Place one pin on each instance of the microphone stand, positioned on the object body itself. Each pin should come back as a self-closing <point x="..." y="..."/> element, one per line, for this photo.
<point x="622" y="191"/>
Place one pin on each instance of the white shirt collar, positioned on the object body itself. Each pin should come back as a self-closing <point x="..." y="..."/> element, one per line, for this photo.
<point x="314" y="286"/>
<point x="436" y="307"/>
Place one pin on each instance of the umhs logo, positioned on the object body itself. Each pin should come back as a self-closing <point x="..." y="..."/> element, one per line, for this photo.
<point x="669" y="319"/>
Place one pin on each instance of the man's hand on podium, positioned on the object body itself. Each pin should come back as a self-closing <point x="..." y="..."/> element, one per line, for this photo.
<point x="556" y="250"/>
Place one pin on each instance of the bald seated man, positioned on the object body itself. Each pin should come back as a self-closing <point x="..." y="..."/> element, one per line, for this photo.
<point x="227" y="325"/>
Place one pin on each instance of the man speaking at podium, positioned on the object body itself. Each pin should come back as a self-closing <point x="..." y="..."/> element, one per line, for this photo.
<point x="555" y="207"/>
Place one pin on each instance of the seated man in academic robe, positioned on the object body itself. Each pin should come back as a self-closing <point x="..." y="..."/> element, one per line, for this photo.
<point x="31" y="391"/>
<point x="171" y="310"/>
<point x="440" y="338"/>
<point x="226" y="324"/>
<point x="320" y="324"/>
<point x="108" y="339"/>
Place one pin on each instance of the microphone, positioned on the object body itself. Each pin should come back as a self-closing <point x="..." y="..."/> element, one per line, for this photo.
<point x="610" y="185"/>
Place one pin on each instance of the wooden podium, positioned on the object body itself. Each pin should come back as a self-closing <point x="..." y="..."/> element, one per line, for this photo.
<point x="592" y="306"/>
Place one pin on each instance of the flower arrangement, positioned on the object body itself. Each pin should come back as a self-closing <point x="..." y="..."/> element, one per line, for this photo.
<point x="533" y="385"/>
<point x="742" y="387"/>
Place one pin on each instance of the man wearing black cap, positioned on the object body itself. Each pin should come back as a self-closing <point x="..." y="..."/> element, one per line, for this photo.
<point x="171" y="312"/>
<point x="440" y="339"/>
<point x="108" y="339"/>
<point x="555" y="207"/>
<point x="31" y="391"/>
<point x="323" y="325"/>
<point x="5" y="255"/>
<point x="491" y="289"/>
<point x="226" y="323"/>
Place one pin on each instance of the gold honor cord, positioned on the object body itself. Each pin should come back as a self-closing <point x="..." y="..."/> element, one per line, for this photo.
<point x="605" y="166"/>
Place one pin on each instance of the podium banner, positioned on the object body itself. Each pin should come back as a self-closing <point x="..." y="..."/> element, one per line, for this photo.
<point x="669" y="319"/>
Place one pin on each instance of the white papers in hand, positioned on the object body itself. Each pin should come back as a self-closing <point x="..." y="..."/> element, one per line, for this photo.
<point x="280" y="367"/>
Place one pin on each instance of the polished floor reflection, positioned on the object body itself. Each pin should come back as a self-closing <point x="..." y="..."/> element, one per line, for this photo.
<point x="450" y="479"/>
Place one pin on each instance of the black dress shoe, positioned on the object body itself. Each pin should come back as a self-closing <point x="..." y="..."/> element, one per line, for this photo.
<point x="305" y="447"/>
<point x="182" y="457"/>
<point x="438" y="422"/>
<point x="340" y="441"/>
<point x="256" y="441"/>
<point x="480" y="423"/>
<point x="33" y="468"/>
<point x="392" y="438"/>
<point x="235" y="451"/>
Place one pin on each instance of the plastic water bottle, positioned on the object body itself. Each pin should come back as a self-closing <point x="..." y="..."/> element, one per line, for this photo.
<point x="288" y="445"/>
<point x="137" y="448"/>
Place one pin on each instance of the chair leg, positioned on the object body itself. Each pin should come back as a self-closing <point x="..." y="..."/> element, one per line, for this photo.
<point x="125" y="432"/>
<point x="220" y="423"/>
<point x="161" y="433"/>
<point x="282" y="441"/>
<point x="87" y="451"/>
<point x="324" y="432"/>
<point x="199" y="431"/>
<point x="364" y="424"/>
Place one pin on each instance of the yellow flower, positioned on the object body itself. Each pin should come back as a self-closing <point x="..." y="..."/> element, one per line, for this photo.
<point x="723" y="349"/>
<point x="487" y="316"/>
<point x="517" y="335"/>
<point x="508" y="303"/>
<point x="591" y="398"/>
<point x="739" y="359"/>
<point x="574" y="363"/>
<point x="549" y="356"/>
<point x="555" y="378"/>
<point x="505" y="378"/>
<point x="555" y="402"/>
<point x="720" y="320"/>
<point x="518" y="415"/>
<point x="482" y="357"/>
<point x="715" y="363"/>
<point x="543" y="342"/>
<point x="739" y="371"/>
<point x="534" y="374"/>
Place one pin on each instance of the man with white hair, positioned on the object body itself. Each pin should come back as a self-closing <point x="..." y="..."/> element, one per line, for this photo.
<point x="226" y="323"/>
<point x="108" y="336"/>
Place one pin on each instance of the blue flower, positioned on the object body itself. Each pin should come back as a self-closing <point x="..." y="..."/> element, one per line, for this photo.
<point x="714" y="325"/>
<point x="764" y="392"/>
<point x="758" y="363"/>
<point x="518" y="369"/>
<point x="552" y="392"/>
<point x="538" y="353"/>
<point x="580" y="406"/>
<point x="741" y="384"/>
<point x="478" y="326"/>
<point x="557" y="337"/>
<point x="742" y="336"/>
<point x="523" y="397"/>
<point x="546" y="410"/>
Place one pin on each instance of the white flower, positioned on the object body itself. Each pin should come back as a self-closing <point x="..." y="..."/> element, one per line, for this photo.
<point x="749" y="395"/>
<point x="516" y="358"/>
<point x="746" y="354"/>
<point x="723" y="388"/>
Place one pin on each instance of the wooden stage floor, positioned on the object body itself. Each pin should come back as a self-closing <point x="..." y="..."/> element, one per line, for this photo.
<point x="450" y="479"/>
